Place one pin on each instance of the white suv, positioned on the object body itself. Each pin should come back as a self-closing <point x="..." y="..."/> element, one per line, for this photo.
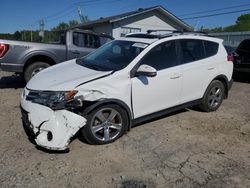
<point x="126" y="81"/>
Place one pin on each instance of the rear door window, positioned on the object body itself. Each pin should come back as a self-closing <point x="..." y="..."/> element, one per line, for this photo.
<point x="192" y="50"/>
<point x="86" y="40"/>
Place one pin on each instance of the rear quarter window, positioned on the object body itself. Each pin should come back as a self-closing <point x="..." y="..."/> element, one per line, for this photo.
<point x="211" y="48"/>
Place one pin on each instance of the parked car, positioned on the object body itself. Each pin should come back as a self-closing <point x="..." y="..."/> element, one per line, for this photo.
<point x="28" y="58"/>
<point x="242" y="57"/>
<point x="124" y="82"/>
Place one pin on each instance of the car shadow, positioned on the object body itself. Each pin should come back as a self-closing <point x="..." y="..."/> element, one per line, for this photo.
<point x="12" y="81"/>
<point x="163" y="116"/>
<point x="241" y="77"/>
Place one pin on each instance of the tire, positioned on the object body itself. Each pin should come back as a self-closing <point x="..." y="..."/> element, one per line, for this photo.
<point x="213" y="97"/>
<point x="33" y="69"/>
<point x="105" y="124"/>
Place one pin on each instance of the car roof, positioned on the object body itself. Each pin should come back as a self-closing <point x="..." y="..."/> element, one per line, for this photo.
<point x="150" y="38"/>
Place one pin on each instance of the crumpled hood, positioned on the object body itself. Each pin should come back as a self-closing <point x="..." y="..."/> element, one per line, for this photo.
<point x="64" y="76"/>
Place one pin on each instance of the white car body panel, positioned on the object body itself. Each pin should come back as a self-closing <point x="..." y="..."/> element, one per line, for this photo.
<point x="115" y="86"/>
<point x="152" y="94"/>
<point x="196" y="76"/>
<point x="63" y="77"/>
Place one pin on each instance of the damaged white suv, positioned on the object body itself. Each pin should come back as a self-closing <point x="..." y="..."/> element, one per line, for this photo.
<point x="124" y="82"/>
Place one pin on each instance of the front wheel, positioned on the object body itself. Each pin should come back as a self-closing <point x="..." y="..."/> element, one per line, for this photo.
<point x="105" y="124"/>
<point x="213" y="97"/>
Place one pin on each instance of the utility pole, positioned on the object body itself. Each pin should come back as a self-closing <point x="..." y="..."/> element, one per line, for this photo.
<point x="80" y="14"/>
<point x="31" y="34"/>
<point x="41" y="32"/>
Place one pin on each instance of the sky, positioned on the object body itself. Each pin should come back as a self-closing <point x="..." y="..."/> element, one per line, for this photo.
<point x="25" y="14"/>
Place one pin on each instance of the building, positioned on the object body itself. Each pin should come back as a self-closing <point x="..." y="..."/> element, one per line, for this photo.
<point x="141" y="20"/>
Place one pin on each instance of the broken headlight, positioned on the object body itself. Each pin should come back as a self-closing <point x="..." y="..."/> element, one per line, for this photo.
<point x="52" y="99"/>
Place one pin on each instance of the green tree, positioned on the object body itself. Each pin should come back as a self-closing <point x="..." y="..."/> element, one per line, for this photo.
<point x="17" y="35"/>
<point x="73" y="23"/>
<point x="61" y="26"/>
<point x="242" y="24"/>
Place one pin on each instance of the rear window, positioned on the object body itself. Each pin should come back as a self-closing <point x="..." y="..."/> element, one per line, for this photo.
<point x="211" y="48"/>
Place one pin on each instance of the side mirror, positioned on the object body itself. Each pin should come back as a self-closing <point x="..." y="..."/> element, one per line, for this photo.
<point x="146" y="70"/>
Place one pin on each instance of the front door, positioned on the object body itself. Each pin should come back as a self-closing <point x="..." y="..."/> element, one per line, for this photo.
<point x="153" y="94"/>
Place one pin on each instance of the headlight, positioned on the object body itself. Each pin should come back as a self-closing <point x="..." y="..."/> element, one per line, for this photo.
<point x="52" y="99"/>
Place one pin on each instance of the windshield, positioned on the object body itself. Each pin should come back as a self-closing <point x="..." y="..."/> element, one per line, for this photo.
<point x="113" y="56"/>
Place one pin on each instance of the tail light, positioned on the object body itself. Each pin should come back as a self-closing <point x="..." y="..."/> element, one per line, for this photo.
<point x="230" y="57"/>
<point x="3" y="49"/>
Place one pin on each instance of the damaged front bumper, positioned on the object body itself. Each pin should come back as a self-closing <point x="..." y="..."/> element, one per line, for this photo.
<point x="50" y="129"/>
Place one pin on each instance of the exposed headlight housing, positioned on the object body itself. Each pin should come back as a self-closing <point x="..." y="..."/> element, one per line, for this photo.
<point x="53" y="99"/>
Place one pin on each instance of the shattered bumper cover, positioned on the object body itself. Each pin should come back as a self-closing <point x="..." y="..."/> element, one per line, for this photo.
<point x="50" y="129"/>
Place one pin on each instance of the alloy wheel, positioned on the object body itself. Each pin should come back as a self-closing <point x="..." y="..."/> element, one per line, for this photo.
<point x="215" y="97"/>
<point x="106" y="124"/>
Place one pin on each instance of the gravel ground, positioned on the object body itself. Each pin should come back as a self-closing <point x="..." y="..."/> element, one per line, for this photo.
<point x="185" y="149"/>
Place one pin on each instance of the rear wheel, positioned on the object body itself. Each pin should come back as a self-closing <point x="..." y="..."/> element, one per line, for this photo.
<point x="105" y="124"/>
<point x="33" y="69"/>
<point x="213" y="97"/>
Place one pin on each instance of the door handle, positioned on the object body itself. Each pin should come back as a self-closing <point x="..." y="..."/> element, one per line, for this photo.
<point x="175" y="76"/>
<point x="211" y="68"/>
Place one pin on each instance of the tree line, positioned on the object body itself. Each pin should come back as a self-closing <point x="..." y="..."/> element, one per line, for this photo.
<point x="52" y="35"/>
<point x="242" y="24"/>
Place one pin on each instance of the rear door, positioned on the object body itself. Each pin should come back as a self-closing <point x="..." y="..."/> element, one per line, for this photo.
<point x="82" y="44"/>
<point x="198" y="67"/>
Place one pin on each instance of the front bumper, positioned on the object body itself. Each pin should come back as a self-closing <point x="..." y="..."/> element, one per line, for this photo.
<point x="50" y="129"/>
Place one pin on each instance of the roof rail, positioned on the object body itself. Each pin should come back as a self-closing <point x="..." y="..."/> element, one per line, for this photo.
<point x="149" y="34"/>
<point x="168" y="30"/>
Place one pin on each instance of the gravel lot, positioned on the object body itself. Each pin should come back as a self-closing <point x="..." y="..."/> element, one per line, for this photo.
<point x="185" y="149"/>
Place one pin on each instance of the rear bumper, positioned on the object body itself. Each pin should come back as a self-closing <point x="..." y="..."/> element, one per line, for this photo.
<point x="11" y="67"/>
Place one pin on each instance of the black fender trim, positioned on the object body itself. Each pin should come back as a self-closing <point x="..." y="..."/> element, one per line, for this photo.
<point x="96" y="104"/>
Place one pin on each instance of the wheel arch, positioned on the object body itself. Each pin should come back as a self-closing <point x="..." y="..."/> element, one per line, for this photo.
<point x="41" y="58"/>
<point x="223" y="79"/>
<point x="95" y="104"/>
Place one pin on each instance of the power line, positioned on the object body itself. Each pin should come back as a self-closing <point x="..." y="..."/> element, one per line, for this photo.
<point x="218" y="14"/>
<point x="214" y="10"/>
<point x="72" y="8"/>
<point x="61" y="16"/>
